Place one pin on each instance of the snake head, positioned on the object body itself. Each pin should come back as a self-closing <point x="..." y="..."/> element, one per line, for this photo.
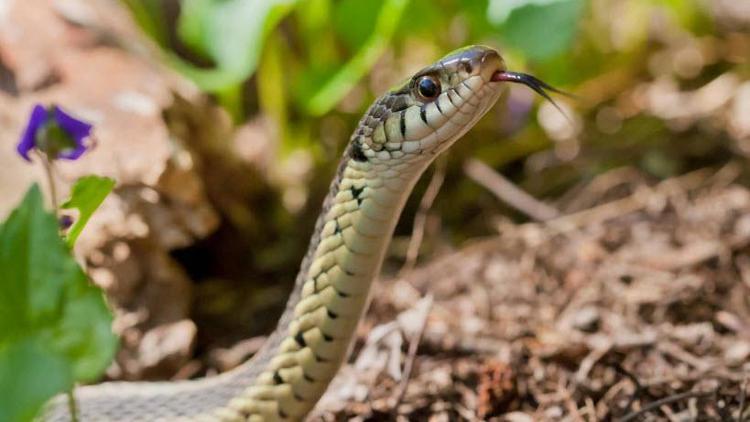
<point x="435" y="107"/>
<point x="431" y="110"/>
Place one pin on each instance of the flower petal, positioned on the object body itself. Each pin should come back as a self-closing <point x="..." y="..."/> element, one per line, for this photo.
<point x="74" y="153"/>
<point x="78" y="130"/>
<point x="37" y="119"/>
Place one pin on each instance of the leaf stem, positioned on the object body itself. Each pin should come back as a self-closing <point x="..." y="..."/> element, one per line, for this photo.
<point x="49" y="170"/>
<point x="72" y="406"/>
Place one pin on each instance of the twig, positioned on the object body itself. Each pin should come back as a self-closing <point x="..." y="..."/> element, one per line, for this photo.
<point x="725" y="176"/>
<point x="412" y="352"/>
<point x="589" y="361"/>
<point x="666" y="400"/>
<point x="420" y="218"/>
<point x="722" y="410"/>
<point x="588" y="194"/>
<point x="636" y="383"/>
<point x="668" y="413"/>
<point x="628" y="204"/>
<point x="507" y="192"/>
<point x="743" y="397"/>
<point x="676" y="352"/>
<point x="590" y="409"/>
<point x="569" y="403"/>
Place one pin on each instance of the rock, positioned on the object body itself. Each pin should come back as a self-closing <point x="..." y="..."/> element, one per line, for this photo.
<point x="737" y="353"/>
<point x="517" y="417"/>
<point x="226" y="359"/>
<point x="586" y="319"/>
<point x="166" y="348"/>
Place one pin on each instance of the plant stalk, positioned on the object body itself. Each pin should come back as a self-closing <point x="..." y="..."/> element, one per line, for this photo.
<point x="49" y="169"/>
<point x="72" y="406"/>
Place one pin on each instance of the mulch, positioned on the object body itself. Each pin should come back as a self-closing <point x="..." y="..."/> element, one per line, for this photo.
<point x="631" y="306"/>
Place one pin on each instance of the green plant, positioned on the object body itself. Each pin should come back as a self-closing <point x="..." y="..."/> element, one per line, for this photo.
<point x="55" y="327"/>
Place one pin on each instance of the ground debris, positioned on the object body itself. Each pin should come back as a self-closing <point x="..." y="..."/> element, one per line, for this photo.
<point x="632" y="309"/>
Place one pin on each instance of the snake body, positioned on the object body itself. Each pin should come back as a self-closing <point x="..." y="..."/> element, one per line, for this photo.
<point x="399" y="136"/>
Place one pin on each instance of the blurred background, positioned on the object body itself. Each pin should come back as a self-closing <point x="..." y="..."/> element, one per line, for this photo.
<point x="223" y="122"/>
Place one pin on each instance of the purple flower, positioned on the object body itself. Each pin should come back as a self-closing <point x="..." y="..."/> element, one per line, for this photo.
<point x="65" y="221"/>
<point x="55" y="133"/>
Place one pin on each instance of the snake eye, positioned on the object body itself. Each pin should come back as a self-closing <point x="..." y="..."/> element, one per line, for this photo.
<point x="428" y="87"/>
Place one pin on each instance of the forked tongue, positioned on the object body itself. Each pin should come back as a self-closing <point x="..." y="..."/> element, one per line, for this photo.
<point x="538" y="85"/>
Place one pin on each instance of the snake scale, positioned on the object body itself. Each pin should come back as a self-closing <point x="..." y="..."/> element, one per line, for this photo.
<point x="399" y="136"/>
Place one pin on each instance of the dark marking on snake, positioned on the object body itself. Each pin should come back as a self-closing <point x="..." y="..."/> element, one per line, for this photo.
<point x="423" y="113"/>
<point x="396" y="103"/>
<point x="451" y="99"/>
<point x="340" y="293"/>
<point x="437" y="104"/>
<point x="348" y="272"/>
<point x="320" y="359"/>
<point x="315" y="282"/>
<point x="378" y="111"/>
<point x="331" y="265"/>
<point x="283" y="414"/>
<point x="458" y="93"/>
<point x="277" y="378"/>
<point x="356" y="151"/>
<point x="331" y="314"/>
<point x="307" y="378"/>
<point x="356" y="192"/>
<point x="337" y="230"/>
<point x="300" y="339"/>
<point x="402" y="124"/>
<point x="297" y="396"/>
<point x="326" y="337"/>
<point x="393" y="147"/>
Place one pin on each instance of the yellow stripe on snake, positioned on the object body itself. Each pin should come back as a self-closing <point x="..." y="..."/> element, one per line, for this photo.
<point x="399" y="136"/>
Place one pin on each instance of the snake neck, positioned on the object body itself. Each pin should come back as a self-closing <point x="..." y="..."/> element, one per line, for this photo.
<point x="331" y="291"/>
<point x="290" y="373"/>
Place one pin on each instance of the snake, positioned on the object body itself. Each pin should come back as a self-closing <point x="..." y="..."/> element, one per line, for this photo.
<point x="398" y="137"/>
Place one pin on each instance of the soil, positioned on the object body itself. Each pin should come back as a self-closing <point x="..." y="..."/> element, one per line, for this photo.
<point x="633" y="309"/>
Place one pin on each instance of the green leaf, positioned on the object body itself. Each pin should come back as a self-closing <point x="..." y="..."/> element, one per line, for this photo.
<point x="148" y="15"/>
<point x="353" y="21"/>
<point x="540" y="29"/>
<point x="344" y="80"/>
<point x="191" y="25"/>
<point x="29" y="376"/>
<point x="231" y="33"/>
<point x="54" y="325"/>
<point x="88" y="193"/>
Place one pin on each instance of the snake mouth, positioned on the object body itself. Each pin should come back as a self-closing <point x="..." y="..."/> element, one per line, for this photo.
<point x="538" y="85"/>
